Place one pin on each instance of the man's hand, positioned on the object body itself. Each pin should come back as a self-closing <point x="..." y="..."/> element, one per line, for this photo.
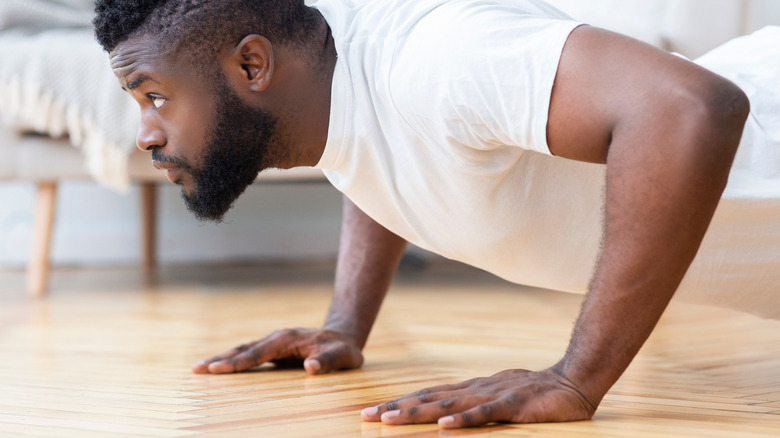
<point x="368" y="257"/>
<point x="516" y="396"/>
<point x="320" y="350"/>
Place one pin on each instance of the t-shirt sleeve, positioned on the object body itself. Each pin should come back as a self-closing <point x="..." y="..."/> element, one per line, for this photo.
<point x="480" y="75"/>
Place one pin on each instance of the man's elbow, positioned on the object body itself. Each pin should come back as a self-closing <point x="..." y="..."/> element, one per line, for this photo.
<point x="729" y="104"/>
<point x="711" y="118"/>
<point x="723" y="111"/>
<point x="703" y="123"/>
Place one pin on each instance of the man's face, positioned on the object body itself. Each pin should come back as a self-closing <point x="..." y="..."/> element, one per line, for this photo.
<point x="200" y="131"/>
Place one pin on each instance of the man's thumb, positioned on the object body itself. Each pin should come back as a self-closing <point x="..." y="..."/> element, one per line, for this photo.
<point x="343" y="358"/>
<point x="312" y="365"/>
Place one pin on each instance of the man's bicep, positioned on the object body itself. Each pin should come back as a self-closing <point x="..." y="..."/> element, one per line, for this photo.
<point x="604" y="79"/>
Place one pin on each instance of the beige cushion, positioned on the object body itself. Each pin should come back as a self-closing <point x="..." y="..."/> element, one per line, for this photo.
<point x="38" y="158"/>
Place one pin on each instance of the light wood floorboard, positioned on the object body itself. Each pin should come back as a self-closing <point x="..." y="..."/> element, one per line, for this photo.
<point x="108" y="353"/>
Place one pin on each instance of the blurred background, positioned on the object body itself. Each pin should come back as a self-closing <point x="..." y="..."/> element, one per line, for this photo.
<point x="96" y="226"/>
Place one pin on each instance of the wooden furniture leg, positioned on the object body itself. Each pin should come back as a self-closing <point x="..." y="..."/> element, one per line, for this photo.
<point x="38" y="269"/>
<point x="148" y="192"/>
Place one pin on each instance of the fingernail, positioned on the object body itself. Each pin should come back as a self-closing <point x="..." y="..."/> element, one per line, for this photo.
<point x="446" y="421"/>
<point x="313" y="365"/>
<point x="390" y="414"/>
<point x="369" y="412"/>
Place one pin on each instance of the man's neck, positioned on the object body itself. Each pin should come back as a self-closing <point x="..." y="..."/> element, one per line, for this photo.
<point x="307" y="97"/>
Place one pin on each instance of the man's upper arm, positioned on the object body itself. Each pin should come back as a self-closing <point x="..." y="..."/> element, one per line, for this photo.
<point x="606" y="81"/>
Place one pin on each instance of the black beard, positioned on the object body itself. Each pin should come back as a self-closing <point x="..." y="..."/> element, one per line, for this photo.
<point x="236" y="151"/>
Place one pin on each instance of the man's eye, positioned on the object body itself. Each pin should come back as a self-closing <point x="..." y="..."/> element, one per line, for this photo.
<point x="158" y="101"/>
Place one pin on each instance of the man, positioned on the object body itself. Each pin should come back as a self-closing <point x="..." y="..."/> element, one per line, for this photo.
<point x="486" y="131"/>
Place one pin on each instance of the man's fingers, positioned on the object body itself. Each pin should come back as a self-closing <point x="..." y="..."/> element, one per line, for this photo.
<point x="427" y="412"/>
<point x="479" y="415"/>
<point x="249" y="355"/>
<point x="321" y="351"/>
<point x="262" y="352"/>
<point x="429" y="404"/>
<point x="427" y="395"/>
<point x="203" y="366"/>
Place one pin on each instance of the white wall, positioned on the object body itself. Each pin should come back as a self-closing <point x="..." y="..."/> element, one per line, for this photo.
<point x="640" y="19"/>
<point x="690" y="27"/>
<point x="759" y="13"/>
<point x="96" y="226"/>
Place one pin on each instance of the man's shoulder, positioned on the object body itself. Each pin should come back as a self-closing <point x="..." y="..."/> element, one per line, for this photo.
<point x="469" y="64"/>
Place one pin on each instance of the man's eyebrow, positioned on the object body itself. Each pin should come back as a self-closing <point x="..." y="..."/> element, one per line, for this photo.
<point x="135" y="83"/>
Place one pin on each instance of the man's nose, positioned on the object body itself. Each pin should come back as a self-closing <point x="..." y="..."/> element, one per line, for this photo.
<point x="150" y="136"/>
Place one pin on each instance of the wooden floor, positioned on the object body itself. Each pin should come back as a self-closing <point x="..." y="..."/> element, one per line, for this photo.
<point x="108" y="355"/>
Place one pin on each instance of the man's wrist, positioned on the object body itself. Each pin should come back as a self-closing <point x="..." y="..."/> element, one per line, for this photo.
<point x="348" y="329"/>
<point x="590" y="383"/>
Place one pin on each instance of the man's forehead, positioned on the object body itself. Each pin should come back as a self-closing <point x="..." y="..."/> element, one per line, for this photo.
<point x="135" y="55"/>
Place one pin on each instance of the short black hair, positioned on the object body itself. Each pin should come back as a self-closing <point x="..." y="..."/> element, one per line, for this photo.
<point x="203" y="27"/>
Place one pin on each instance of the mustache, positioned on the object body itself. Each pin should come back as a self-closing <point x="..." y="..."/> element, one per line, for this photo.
<point x="158" y="156"/>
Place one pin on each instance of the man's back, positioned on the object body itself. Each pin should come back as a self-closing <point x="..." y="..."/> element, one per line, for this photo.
<point x="421" y="154"/>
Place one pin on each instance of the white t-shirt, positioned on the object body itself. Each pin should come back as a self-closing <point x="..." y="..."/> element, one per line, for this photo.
<point x="438" y="132"/>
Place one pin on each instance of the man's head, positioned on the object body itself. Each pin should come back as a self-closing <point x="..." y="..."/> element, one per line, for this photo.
<point x="202" y="28"/>
<point x="202" y="72"/>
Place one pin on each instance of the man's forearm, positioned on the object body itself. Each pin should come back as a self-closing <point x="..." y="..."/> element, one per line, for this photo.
<point x="369" y="255"/>
<point x="665" y="176"/>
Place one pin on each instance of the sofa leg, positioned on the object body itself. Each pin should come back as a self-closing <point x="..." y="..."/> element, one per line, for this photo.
<point x="38" y="268"/>
<point x="148" y="226"/>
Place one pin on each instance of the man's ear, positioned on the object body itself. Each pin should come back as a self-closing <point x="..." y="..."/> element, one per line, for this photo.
<point x="254" y="55"/>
